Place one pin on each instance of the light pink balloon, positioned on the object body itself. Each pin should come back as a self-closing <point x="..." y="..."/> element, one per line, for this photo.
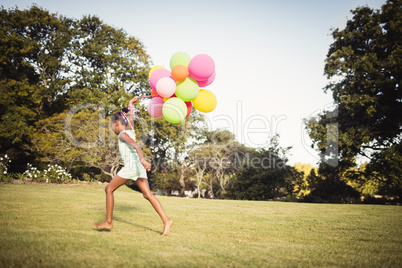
<point x="155" y="107"/>
<point x="156" y="75"/>
<point x="201" y="67"/>
<point x="166" y="87"/>
<point x="207" y="82"/>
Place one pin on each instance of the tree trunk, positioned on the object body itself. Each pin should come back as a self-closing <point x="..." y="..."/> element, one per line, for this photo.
<point x="181" y="181"/>
<point x="212" y="195"/>
<point x="199" y="180"/>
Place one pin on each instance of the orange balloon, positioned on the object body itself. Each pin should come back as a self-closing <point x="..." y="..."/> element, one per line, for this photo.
<point x="179" y="72"/>
<point x="153" y="93"/>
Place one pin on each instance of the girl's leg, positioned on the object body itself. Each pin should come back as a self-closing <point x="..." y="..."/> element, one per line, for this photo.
<point x="110" y="188"/>
<point x="144" y="187"/>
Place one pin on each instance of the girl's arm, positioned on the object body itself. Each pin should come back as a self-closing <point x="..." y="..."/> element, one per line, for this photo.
<point x="131" y="108"/>
<point x="126" y="138"/>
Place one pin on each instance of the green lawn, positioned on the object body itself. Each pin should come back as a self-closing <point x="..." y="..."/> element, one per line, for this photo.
<point x="52" y="226"/>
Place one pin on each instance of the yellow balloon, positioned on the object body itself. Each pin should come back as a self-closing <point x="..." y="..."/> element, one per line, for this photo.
<point x="165" y="98"/>
<point x="154" y="69"/>
<point x="205" y="101"/>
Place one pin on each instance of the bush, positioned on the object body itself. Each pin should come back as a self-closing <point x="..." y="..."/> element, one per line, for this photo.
<point x="332" y="191"/>
<point x="7" y="177"/>
<point x="369" y="199"/>
<point x="53" y="174"/>
<point x="4" y="162"/>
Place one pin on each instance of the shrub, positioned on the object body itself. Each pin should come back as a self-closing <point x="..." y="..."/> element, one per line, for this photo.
<point x="332" y="191"/>
<point x="4" y="162"/>
<point x="53" y="174"/>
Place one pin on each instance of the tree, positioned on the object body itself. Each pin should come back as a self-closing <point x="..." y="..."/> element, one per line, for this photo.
<point x="107" y="63"/>
<point x="199" y="159"/>
<point x="265" y="175"/>
<point x="301" y="187"/>
<point x="364" y="68"/>
<point x="78" y="141"/>
<point x="327" y="186"/>
<point x="224" y="154"/>
<point x="50" y="65"/>
<point x="33" y="43"/>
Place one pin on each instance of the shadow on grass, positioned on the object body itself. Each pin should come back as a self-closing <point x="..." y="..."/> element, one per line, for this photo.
<point x="137" y="225"/>
<point x="102" y="229"/>
<point x="124" y="221"/>
<point x="124" y="208"/>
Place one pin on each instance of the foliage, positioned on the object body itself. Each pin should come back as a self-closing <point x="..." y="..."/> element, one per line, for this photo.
<point x="79" y="140"/>
<point x="108" y="65"/>
<point x="215" y="161"/>
<point x="51" y="64"/>
<point x="5" y="176"/>
<point x="53" y="174"/>
<point x="30" y="40"/>
<point x="4" y="163"/>
<point x="330" y="189"/>
<point x="301" y="187"/>
<point x="386" y="168"/>
<point x="364" y="68"/>
<point x="265" y="176"/>
<point x="166" y="181"/>
<point x="362" y="184"/>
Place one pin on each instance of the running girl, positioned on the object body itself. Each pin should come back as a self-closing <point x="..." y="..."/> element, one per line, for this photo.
<point x="135" y="168"/>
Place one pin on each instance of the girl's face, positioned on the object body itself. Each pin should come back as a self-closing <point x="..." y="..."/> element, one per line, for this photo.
<point x="117" y="127"/>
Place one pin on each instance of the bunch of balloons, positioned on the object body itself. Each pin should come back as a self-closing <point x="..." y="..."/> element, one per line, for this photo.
<point x="178" y="90"/>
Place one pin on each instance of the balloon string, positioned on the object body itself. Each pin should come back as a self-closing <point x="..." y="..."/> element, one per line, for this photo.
<point x="148" y="96"/>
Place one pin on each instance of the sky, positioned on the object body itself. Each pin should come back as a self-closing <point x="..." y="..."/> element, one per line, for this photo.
<point x="269" y="55"/>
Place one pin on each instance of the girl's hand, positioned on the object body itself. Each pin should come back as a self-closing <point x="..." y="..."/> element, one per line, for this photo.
<point x="146" y="165"/>
<point x="131" y="107"/>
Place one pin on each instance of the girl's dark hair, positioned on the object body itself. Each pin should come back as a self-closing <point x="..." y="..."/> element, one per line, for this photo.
<point x="121" y="116"/>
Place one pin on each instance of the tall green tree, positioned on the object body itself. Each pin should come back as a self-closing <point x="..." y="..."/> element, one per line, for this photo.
<point x="33" y="43"/>
<point x="49" y="65"/>
<point x="364" y="68"/>
<point x="107" y="65"/>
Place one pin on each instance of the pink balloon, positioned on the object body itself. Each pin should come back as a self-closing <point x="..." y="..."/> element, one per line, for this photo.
<point x="155" y="107"/>
<point x="201" y="67"/>
<point x="207" y="82"/>
<point x="156" y="75"/>
<point x="165" y="87"/>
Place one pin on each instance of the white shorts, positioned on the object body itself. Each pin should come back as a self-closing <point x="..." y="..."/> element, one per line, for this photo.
<point x="132" y="174"/>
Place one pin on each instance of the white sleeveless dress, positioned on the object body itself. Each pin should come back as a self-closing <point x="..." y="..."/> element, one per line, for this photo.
<point x="132" y="169"/>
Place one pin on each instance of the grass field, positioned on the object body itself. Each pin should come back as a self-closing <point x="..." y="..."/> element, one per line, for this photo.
<point x="49" y="225"/>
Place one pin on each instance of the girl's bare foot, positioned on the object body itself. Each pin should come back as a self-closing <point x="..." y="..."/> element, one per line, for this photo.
<point x="104" y="225"/>
<point x="167" y="227"/>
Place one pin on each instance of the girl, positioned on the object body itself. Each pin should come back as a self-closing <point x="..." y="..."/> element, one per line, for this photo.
<point x="135" y="168"/>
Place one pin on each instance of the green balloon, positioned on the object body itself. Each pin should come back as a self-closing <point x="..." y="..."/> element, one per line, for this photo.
<point x="174" y="110"/>
<point x="187" y="89"/>
<point x="181" y="58"/>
